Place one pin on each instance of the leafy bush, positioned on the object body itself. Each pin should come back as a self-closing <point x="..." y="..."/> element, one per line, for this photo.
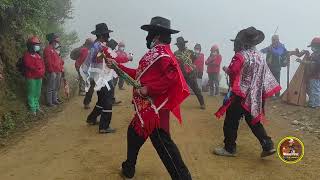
<point x="7" y="124"/>
<point x="20" y="19"/>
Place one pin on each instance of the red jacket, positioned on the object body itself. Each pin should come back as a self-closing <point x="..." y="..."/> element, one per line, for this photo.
<point x="199" y="63"/>
<point x="234" y="70"/>
<point x="34" y="64"/>
<point x="214" y="64"/>
<point x="84" y="52"/>
<point x="122" y="57"/>
<point x="54" y="63"/>
<point x="159" y="77"/>
<point x="164" y="78"/>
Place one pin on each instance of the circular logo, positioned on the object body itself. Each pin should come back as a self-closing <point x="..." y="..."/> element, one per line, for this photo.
<point x="290" y="150"/>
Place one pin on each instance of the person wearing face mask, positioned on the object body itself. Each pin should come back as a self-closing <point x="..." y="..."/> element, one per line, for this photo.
<point x="122" y="58"/>
<point x="186" y="58"/>
<point x="213" y="69"/>
<point x="97" y="75"/>
<point x="313" y="72"/>
<point x="251" y="82"/>
<point x="163" y="90"/>
<point x="199" y="64"/>
<point x="54" y="68"/>
<point x="34" y="73"/>
<point x="277" y="56"/>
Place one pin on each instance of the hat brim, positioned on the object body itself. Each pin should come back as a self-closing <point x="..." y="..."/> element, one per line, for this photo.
<point x="96" y="33"/>
<point x="314" y="45"/>
<point x="181" y="42"/>
<point x="260" y="38"/>
<point x="149" y="27"/>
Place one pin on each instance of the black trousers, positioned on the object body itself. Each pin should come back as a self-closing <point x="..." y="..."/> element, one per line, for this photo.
<point x="89" y="94"/>
<point x="277" y="75"/>
<point x="88" y="97"/>
<point x="192" y="83"/>
<point x="166" y="149"/>
<point x="231" y="124"/>
<point x="103" y="108"/>
<point x="214" y="83"/>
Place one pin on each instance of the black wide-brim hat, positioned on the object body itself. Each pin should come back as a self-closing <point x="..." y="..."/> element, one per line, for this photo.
<point x="101" y="28"/>
<point x="250" y="36"/>
<point x="180" y="40"/>
<point x="315" y="42"/>
<point x="159" y="24"/>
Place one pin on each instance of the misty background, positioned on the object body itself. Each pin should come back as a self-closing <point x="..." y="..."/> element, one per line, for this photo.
<point x="207" y="22"/>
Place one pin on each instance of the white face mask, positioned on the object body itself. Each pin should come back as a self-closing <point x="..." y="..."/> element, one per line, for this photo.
<point x="314" y="49"/>
<point x="57" y="45"/>
<point x="36" y="48"/>
<point x="197" y="51"/>
<point x="153" y="43"/>
<point x="121" y="48"/>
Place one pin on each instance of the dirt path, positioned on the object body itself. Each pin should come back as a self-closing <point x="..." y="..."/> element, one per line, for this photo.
<point x="67" y="149"/>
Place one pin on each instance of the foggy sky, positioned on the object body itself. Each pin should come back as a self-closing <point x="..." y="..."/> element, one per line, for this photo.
<point x="206" y="22"/>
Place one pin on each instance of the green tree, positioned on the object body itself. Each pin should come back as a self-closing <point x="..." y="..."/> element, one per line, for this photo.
<point x="19" y="19"/>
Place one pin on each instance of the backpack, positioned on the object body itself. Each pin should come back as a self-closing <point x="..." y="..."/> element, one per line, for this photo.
<point x="21" y="66"/>
<point x="75" y="53"/>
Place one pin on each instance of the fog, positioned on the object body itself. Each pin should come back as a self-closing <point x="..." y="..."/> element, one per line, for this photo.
<point x="206" y="22"/>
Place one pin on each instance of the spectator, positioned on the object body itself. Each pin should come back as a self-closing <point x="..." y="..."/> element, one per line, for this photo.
<point x="34" y="72"/>
<point x="214" y="62"/>
<point x="313" y="73"/>
<point x="199" y="63"/>
<point x="122" y="58"/>
<point x="54" y="67"/>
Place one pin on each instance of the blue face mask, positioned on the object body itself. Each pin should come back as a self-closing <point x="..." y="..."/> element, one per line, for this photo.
<point x="36" y="48"/>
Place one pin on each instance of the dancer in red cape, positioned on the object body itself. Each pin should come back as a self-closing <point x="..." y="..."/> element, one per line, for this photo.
<point x="163" y="90"/>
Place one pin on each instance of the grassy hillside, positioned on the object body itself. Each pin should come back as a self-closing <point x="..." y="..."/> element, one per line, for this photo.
<point x="18" y="21"/>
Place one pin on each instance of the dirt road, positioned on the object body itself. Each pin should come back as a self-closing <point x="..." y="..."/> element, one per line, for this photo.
<point x="66" y="148"/>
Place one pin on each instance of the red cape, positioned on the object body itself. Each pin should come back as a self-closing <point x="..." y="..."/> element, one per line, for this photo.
<point x="179" y="92"/>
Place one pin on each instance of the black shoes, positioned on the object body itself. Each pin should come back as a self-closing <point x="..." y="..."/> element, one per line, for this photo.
<point x="268" y="153"/>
